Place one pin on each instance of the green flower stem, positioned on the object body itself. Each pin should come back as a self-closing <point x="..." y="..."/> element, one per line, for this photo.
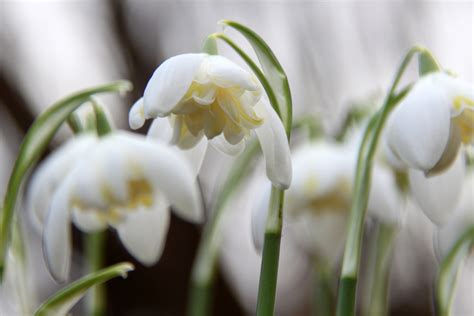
<point x="204" y="268"/>
<point x="379" y="291"/>
<point x="74" y="123"/>
<point x="323" y="296"/>
<point x="449" y="270"/>
<point x="350" y="267"/>
<point x="94" y="248"/>
<point x="270" y="255"/>
<point x="34" y="143"/>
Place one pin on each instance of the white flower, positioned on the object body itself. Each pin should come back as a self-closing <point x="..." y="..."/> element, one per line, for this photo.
<point x="319" y="200"/>
<point x="208" y="96"/>
<point x="425" y="133"/>
<point x="119" y="180"/>
<point x="448" y="234"/>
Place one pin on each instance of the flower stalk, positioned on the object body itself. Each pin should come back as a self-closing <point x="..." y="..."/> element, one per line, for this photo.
<point x="350" y="268"/>
<point x="323" y="297"/>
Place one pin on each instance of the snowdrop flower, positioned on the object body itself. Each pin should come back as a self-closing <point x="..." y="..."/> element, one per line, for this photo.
<point x="425" y="133"/>
<point x="119" y="180"/>
<point x="200" y="96"/>
<point x="447" y="235"/>
<point x="318" y="202"/>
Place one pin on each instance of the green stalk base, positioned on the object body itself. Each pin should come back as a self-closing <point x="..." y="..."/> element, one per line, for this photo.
<point x="268" y="274"/>
<point x="346" y="302"/>
<point x="200" y="300"/>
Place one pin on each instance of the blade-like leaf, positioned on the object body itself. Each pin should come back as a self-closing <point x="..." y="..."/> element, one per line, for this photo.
<point x="271" y="67"/>
<point x="35" y="142"/>
<point x="63" y="300"/>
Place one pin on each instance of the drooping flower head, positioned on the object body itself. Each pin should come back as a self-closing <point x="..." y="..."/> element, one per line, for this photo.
<point x="208" y="96"/>
<point x="425" y="133"/>
<point x="123" y="181"/>
<point x="318" y="202"/>
<point x="426" y="130"/>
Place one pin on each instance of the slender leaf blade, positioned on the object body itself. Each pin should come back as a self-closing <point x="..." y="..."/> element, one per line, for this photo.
<point x="63" y="300"/>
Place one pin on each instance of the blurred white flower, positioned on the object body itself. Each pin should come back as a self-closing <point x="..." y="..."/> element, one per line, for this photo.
<point x="425" y="133"/>
<point x="120" y="180"/>
<point x="447" y="235"/>
<point x="200" y="96"/>
<point x="318" y="202"/>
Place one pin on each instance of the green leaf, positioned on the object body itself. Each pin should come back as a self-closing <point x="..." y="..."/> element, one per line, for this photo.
<point x="427" y="63"/>
<point x="34" y="144"/>
<point x="63" y="300"/>
<point x="272" y="69"/>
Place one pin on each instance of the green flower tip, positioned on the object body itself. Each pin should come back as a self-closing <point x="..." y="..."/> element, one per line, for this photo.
<point x="124" y="86"/>
<point x="125" y="268"/>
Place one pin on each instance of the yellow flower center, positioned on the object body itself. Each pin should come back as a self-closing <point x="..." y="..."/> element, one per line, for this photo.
<point x="211" y="110"/>
<point x="465" y="120"/>
<point x="139" y="193"/>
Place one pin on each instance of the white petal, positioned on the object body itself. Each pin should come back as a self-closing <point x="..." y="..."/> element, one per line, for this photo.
<point x="418" y="129"/>
<point x="143" y="233"/>
<point x="438" y="195"/>
<point x="169" y="83"/>
<point x="161" y="130"/>
<point x="259" y="219"/>
<point x="221" y="144"/>
<point x="88" y="221"/>
<point x="57" y="235"/>
<point x="136" y="117"/>
<point x="168" y="171"/>
<point x="51" y="172"/>
<point x="448" y="234"/>
<point x="226" y="74"/>
<point x="275" y="147"/>
<point x="385" y="204"/>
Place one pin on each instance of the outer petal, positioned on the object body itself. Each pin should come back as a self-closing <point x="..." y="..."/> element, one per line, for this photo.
<point x="136" y="117"/>
<point x="221" y="144"/>
<point x="169" y="83"/>
<point x="275" y="147"/>
<point x="57" y="234"/>
<point x="88" y="221"/>
<point x="419" y="128"/>
<point x="438" y="196"/>
<point x="226" y="74"/>
<point x="166" y="169"/>
<point x="143" y="233"/>
<point x="448" y="234"/>
<point x="161" y="130"/>
<point x="51" y="172"/>
<point x="385" y="204"/>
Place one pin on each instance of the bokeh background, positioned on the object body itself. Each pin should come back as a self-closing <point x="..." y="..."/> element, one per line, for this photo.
<point x="336" y="53"/>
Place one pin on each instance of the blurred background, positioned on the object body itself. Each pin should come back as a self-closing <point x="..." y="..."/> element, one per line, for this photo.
<point x="335" y="54"/>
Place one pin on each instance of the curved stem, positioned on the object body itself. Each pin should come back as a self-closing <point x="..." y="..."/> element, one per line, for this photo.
<point x="352" y="252"/>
